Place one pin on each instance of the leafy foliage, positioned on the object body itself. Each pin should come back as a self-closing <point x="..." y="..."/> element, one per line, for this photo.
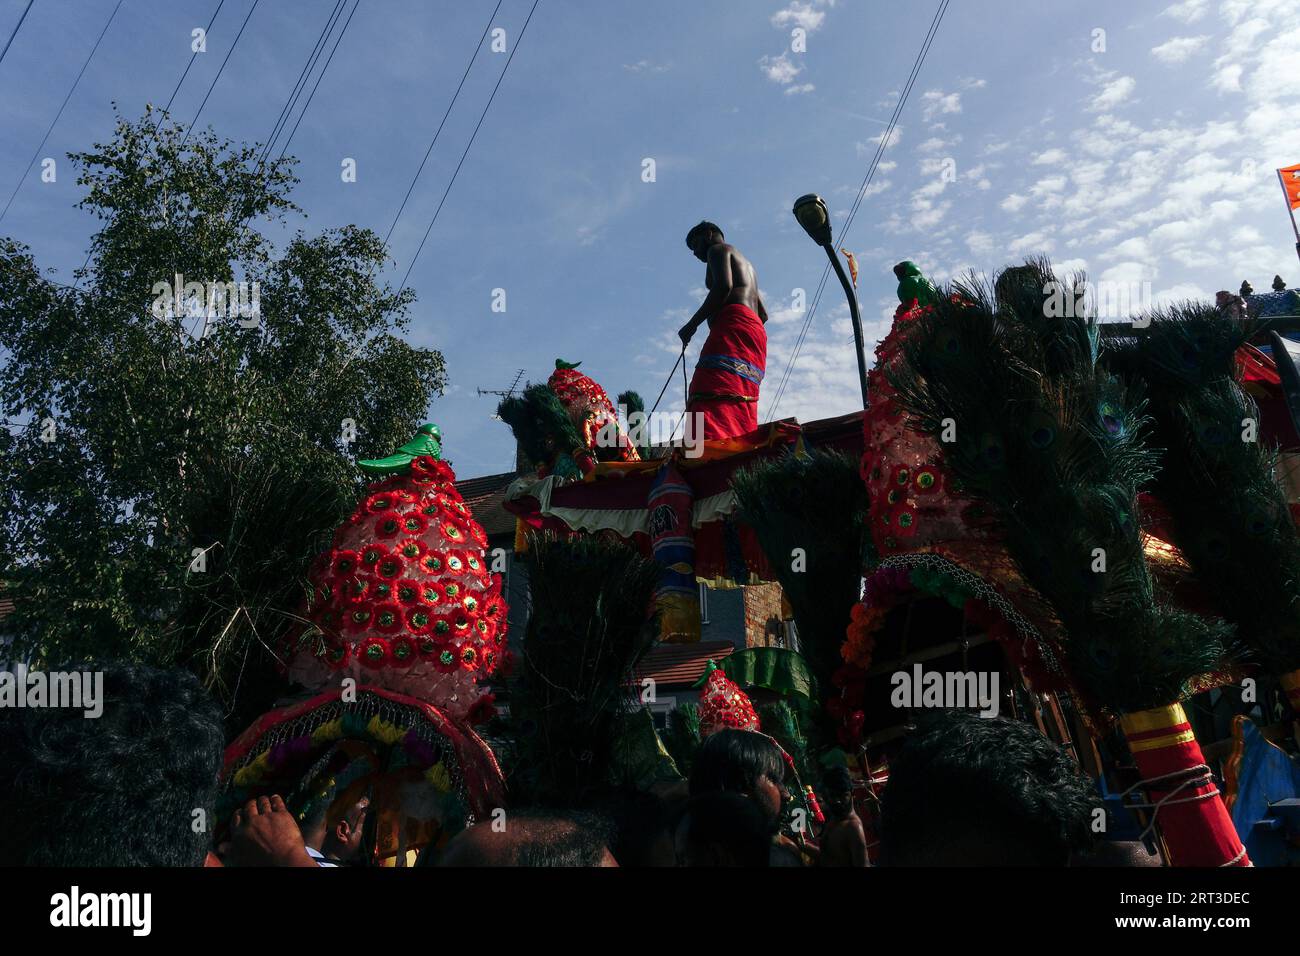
<point x="1056" y="447"/>
<point x="1230" y="517"/>
<point x="177" y="433"/>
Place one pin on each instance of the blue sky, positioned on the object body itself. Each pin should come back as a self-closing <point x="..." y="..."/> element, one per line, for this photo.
<point x="1150" y="160"/>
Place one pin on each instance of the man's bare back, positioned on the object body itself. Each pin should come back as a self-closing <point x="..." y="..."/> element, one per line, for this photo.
<point x="741" y="282"/>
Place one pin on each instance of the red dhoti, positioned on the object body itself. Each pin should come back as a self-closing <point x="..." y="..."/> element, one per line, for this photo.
<point x="724" y="388"/>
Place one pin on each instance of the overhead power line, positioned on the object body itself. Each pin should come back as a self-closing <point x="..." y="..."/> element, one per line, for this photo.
<point x="221" y="69"/>
<point x="62" y="107"/>
<point x="15" y="33"/>
<point x="320" y="76"/>
<point x="193" y="56"/>
<point x="438" y="132"/>
<point x="882" y="146"/>
<point x="513" y="50"/>
<point x="301" y="83"/>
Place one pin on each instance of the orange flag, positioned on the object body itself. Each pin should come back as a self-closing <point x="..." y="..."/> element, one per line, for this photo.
<point x="1290" y="177"/>
<point x="853" y="262"/>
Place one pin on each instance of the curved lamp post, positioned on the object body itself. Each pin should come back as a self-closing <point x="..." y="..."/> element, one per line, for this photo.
<point x="811" y="213"/>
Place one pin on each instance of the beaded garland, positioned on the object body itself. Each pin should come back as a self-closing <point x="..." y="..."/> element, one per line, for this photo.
<point x="404" y="599"/>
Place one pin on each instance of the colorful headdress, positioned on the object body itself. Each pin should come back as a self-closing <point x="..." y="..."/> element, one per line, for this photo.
<point x="405" y="599"/>
<point x="724" y="706"/>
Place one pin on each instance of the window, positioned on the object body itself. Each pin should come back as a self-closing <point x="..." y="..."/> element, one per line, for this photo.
<point x="704" y="603"/>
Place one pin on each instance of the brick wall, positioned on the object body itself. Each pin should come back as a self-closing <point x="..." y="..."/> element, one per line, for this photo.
<point x="763" y="616"/>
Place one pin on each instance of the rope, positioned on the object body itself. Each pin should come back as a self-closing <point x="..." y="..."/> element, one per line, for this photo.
<point x="1193" y="777"/>
<point x="680" y="360"/>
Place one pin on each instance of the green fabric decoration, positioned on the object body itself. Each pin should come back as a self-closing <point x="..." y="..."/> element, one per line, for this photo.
<point x="770" y="668"/>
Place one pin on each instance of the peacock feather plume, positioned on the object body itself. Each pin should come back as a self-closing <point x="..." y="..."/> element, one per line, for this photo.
<point x="1055" y="447"/>
<point x="1230" y="517"/>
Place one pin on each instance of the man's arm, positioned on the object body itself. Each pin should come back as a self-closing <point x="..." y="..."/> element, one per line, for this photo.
<point x="762" y="309"/>
<point x="719" y="288"/>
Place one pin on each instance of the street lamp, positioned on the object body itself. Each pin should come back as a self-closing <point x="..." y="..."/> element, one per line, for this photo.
<point x="810" y="211"/>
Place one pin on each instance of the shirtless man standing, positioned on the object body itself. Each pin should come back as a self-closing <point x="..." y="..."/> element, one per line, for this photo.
<point x="844" y="842"/>
<point x="724" y="388"/>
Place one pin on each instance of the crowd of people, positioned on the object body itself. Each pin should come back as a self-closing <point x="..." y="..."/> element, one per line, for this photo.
<point x="138" y="787"/>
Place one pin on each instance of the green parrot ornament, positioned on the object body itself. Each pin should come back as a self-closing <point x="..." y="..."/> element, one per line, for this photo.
<point x="913" y="285"/>
<point x="427" y="441"/>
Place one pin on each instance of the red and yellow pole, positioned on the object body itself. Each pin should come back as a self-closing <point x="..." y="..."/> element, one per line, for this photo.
<point x="1189" y="810"/>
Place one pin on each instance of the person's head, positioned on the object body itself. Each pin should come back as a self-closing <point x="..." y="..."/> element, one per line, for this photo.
<point x="723" y="829"/>
<point x="644" y="824"/>
<point x="121" y="789"/>
<point x="744" y="762"/>
<point x="332" y="803"/>
<point x="571" y="839"/>
<point x="837" y="789"/>
<point x="971" y="791"/>
<point x="337" y="833"/>
<point x="703" y="237"/>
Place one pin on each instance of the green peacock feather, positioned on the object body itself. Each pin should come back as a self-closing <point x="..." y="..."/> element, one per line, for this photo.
<point x="1230" y="517"/>
<point x="1055" y="446"/>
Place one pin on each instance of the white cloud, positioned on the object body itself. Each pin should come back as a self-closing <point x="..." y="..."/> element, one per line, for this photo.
<point x="1179" y="49"/>
<point x="1048" y="185"/>
<point x="1113" y="93"/>
<point x="1189" y="11"/>
<point x="980" y="243"/>
<point x="895" y="135"/>
<point x="799" y="15"/>
<point x="646" y="66"/>
<point x="1014" y="203"/>
<point x="779" y="69"/>
<point x="799" y="88"/>
<point x="1030" y="244"/>
<point x="1050" y="157"/>
<point x="937" y="103"/>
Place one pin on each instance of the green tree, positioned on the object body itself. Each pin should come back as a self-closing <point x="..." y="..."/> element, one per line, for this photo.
<point x="172" y="433"/>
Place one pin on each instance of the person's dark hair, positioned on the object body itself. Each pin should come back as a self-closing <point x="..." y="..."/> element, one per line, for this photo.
<point x="726" y="829"/>
<point x="963" y="786"/>
<point x="837" y="780"/>
<point x="640" y="820"/>
<point x="120" y="789"/>
<point x="569" y="839"/>
<point x="734" y="760"/>
<point x="702" y="229"/>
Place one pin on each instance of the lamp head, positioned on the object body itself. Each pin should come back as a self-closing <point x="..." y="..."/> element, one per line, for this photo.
<point x="810" y="211"/>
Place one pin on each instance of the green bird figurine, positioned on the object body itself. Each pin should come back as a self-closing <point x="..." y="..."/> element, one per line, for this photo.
<point x="427" y="441"/>
<point x="913" y="285"/>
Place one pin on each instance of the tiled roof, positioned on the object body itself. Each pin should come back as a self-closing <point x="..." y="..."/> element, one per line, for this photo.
<point x="484" y="496"/>
<point x="680" y="665"/>
<point x="6" y="607"/>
